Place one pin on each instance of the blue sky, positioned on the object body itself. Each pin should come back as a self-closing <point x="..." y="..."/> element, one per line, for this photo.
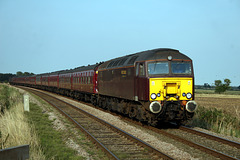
<point x="42" y="36"/>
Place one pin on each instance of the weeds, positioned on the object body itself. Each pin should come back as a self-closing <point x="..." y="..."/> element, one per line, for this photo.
<point x="51" y="140"/>
<point x="4" y="98"/>
<point x="216" y="120"/>
<point x="14" y="127"/>
<point x="16" y="131"/>
<point x="8" y="97"/>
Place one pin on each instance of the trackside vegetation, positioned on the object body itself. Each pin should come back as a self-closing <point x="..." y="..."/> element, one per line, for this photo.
<point x="217" y="121"/>
<point x="50" y="139"/>
<point x="14" y="127"/>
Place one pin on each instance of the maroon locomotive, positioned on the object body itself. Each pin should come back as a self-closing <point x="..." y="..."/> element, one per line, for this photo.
<point x="151" y="86"/>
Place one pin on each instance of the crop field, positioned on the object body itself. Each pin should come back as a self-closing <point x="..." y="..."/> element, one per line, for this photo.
<point x="227" y="103"/>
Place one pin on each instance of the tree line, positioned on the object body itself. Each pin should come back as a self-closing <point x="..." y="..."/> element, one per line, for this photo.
<point x="5" y="77"/>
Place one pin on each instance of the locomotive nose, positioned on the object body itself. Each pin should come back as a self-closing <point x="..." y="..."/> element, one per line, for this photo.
<point x="191" y="106"/>
<point x="155" y="107"/>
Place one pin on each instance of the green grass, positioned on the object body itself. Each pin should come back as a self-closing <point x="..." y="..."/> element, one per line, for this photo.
<point x="217" y="121"/>
<point x="8" y="97"/>
<point x="4" y="98"/>
<point x="51" y="140"/>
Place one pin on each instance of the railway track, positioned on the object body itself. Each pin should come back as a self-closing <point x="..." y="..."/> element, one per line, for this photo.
<point x="212" y="137"/>
<point x="202" y="144"/>
<point x="116" y="143"/>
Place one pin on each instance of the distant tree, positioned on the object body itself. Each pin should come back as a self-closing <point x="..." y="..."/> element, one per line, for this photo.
<point x="206" y="85"/>
<point x="239" y="87"/>
<point x="4" y="77"/>
<point x="222" y="87"/>
<point x="19" y="73"/>
<point x="26" y="73"/>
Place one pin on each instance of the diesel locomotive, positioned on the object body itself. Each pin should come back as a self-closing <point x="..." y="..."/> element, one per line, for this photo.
<point x="152" y="86"/>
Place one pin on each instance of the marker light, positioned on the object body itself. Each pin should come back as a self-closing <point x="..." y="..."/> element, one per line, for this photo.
<point x="158" y="94"/>
<point x="153" y="96"/>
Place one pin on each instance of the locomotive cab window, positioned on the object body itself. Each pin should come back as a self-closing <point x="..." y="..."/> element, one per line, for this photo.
<point x="155" y="68"/>
<point x="181" y="68"/>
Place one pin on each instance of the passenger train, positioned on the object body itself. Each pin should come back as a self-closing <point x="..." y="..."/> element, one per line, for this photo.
<point x="152" y="86"/>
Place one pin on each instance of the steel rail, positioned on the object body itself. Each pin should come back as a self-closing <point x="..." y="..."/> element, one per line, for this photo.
<point x="118" y="130"/>
<point x="212" y="137"/>
<point x="192" y="144"/>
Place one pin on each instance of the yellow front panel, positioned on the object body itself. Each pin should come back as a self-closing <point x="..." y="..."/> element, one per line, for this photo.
<point x="170" y="86"/>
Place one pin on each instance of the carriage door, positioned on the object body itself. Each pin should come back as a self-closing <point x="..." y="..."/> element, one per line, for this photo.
<point x="141" y="82"/>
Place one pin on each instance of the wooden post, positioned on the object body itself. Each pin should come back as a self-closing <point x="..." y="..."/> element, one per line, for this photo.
<point x="26" y="102"/>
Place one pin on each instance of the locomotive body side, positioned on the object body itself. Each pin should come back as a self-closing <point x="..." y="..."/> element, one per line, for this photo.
<point x="117" y="82"/>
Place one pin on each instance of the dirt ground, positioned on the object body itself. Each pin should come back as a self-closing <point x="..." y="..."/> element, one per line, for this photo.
<point x="228" y="103"/>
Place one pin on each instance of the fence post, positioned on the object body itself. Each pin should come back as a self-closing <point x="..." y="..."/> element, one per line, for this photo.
<point x="26" y="102"/>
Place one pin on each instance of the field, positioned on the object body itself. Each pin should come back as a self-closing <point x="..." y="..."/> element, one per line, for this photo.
<point x="212" y="91"/>
<point x="227" y="103"/>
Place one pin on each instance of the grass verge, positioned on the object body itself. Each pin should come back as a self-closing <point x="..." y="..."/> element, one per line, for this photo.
<point x="14" y="127"/>
<point x="217" y="121"/>
<point x="50" y="139"/>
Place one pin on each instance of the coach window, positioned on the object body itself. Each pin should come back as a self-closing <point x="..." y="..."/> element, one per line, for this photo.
<point x="89" y="80"/>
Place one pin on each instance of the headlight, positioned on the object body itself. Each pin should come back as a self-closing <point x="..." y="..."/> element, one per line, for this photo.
<point x="153" y="96"/>
<point x="189" y="95"/>
<point x="184" y="94"/>
<point x="158" y="94"/>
